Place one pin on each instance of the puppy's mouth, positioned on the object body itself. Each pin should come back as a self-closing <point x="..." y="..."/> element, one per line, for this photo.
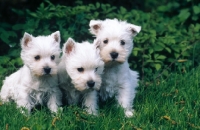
<point x="46" y="74"/>
<point x="117" y="61"/>
<point x="92" y="89"/>
<point x="89" y="89"/>
<point x="84" y="90"/>
<point x="113" y="62"/>
<point x="43" y="75"/>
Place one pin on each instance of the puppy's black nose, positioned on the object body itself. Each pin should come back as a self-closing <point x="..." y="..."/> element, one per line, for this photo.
<point x="47" y="70"/>
<point x="90" y="83"/>
<point x="114" y="55"/>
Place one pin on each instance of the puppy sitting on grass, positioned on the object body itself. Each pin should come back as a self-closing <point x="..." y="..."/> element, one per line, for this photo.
<point x="36" y="82"/>
<point x="80" y="74"/>
<point x="116" y="44"/>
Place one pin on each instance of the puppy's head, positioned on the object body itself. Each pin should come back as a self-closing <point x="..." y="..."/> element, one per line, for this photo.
<point x="41" y="54"/>
<point x="83" y="64"/>
<point x="116" y="38"/>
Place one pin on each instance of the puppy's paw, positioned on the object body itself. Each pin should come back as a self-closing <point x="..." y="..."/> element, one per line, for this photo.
<point x="58" y="113"/>
<point x="129" y="113"/>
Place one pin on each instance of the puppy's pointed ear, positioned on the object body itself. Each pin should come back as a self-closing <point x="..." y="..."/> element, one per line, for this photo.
<point x="95" y="26"/>
<point x="134" y="29"/>
<point x="56" y="36"/>
<point x="69" y="46"/>
<point x="27" y="38"/>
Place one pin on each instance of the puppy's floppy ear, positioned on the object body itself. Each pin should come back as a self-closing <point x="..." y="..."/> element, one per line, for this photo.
<point x="134" y="29"/>
<point x="27" y="38"/>
<point x="95" y="26"/>
<point x="56" y="36"/>
<point x="97" y="43"/>
<point x="69" y="46"/>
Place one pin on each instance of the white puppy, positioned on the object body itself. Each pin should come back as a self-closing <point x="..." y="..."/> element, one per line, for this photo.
<point x="36" y="82"/>
<point x="80" y="74"/>
<point x="116" y="39"/>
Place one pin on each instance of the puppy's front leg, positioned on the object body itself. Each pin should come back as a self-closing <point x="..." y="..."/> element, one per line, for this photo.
<point x="125" y="98"/>
<point x="24" y="104"/>
<point x="54" y="100"/>
<point x="90" y="102"/>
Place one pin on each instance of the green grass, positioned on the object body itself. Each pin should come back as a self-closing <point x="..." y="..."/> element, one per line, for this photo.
<point x="165" y="104"/>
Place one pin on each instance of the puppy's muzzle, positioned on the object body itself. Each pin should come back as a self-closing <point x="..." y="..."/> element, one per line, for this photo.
<point x="90" y="83"/>
<point x="47" y="70"/>
<point x="114" y="55"/>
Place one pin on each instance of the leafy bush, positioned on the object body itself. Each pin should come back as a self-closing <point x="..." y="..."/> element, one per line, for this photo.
<point x="167" y="41"/>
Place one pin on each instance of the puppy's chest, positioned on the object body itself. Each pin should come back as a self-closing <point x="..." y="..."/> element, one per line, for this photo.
<point x="40" y="92"/>
<point x="39" y="97"/>
<point x="110" y="81"/>
<point x="43" y="85"/>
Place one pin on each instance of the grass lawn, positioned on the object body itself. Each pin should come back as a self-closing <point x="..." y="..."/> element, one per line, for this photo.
<point x="166" y="104"/>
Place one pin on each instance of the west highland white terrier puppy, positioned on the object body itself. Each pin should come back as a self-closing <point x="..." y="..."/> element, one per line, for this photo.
<point x="116" y="45"/>
<point x="80" y="74"/>
<point x="36" y="83"/>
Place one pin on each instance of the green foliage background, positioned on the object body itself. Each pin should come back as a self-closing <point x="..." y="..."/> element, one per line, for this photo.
<point x="169" y="40"/>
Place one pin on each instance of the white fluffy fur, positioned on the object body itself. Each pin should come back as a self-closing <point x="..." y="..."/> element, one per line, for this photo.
<point x="32" y="85"/>
<point x="74" y="83"/>
<point x="117" y="79"/>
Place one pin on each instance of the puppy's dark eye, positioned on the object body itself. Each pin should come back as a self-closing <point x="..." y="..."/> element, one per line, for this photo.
<point x="96" y="69"/>
<point x="52" y="57"/>
<point x="105" y="41"/>
<point x="80" y="69"/>
<point x="37" y="57"/>
<point x="122" y="42"/>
